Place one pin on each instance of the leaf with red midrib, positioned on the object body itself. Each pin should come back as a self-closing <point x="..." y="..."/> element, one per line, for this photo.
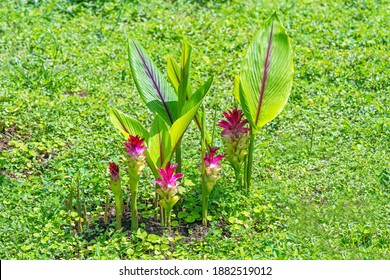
<point x="266" y="75"/>
<point x="151" y="85"/>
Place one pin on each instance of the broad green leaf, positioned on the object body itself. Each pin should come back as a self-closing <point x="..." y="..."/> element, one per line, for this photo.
<point x="267" y="74"/>
<point x="159" y="142"/>
<point x="199" y="114"/>
<point x="178" y="128"/>
<point x="185" y="68"/>
<point x="152" y="87"/>
<point x="127" y="125"/>
<point x="198" y="95"/>
<point x="185" y="58"/>
<point x="174" y="73"/>
<point x="182" y="94"/>
<point x="180" y="80"/>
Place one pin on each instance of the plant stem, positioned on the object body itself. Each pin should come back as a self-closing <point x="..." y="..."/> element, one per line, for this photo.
<point x="85" y="215"/>
<point x="163" y="216"/>
<point x="248" y="171"/>
<point x="168" y="217"/>
<point x="238" y="178"/>
<point x="134" y="208"/>
<point x="71" y="198"/>
<point x="205" y="201"/>
<point x="204" y="188"/>
<point x="106" y="210"/>
<point x="118" y="214"/>
<point x="155" y="203"/>
<point x="78" y="201"/>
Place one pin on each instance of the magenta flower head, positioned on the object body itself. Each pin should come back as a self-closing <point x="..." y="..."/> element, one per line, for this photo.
<point x="211" y="161"/>
<point x="114" y="171"/>
<point x="168" y="181"/>
<point x="134" y="146"/>
<point x="212" y="166"/>
<point x="115" y="182"/>
<point x="135" y="154"/>
<point x="234" y="125"/>
<point x="235" y="136"/>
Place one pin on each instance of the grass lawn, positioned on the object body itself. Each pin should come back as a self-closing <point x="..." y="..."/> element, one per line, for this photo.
<point x="321" y="179"/>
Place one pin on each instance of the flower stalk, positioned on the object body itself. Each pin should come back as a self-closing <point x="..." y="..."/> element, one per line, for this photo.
<point x="235" y="137"/>
<point x="210" y="167"/>
<point x="115" y="184"/>
<point x="135" y="160"/>
<point x="167" y="190"/>
<point x="249" y="161"/>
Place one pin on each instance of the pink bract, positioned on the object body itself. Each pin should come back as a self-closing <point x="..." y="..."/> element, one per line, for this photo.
<point x="211" y="160"/>
<point x="114" y="171"/>
<point x="234" y="125"/>
<point x="168" y="178"/>
<point x="134" y="146"/>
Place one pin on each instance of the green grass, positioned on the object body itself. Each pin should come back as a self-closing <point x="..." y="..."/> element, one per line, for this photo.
<point x="320" y="187"/>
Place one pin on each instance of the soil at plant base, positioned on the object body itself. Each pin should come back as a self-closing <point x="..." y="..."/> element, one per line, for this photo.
<point x="188" y="232"/>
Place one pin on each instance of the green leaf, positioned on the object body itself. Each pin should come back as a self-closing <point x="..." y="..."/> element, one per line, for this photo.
<point x="185" y="68"/>
<point x="152" y="87"/>
<point x="190" y="219"/>
<point x="185" y="58"/>
<point x="182" y="215"/>
<point x="180" y="75"/>
<point x="127" y="125"/>
<point x="198" y="96"/>
<point x="267" y="74"/>
<point x="130" y="252"/>
<point x="153" y="238"/>
<point x="182" y="94"/>
<point x="174" y="73"/>
<point x="177" y="130"/>
<point x="159" y="142"/>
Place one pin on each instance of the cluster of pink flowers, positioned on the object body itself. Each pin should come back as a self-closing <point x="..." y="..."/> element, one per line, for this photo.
<point x="212" y="167"/>
<point x="114" y="171"/>
<point x="236" y="138"/>
<point x="168" y="181"/>
<point x="135" y="154"/>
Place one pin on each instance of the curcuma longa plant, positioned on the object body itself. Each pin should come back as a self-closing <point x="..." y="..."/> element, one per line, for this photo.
<point x="173" y="111"/>
<point x="265" y="81"/>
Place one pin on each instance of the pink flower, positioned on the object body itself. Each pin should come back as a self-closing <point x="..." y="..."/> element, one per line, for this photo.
<point x="114" y="171"/>
<point x="136" y="157"/>
<point x="134" y="146"/>
<point x="212" y="161"/>
<point x="168" y="178"/>
<point x="234" y="125"/>
<point x="212" y="166"/>
<point x="236" y="138"/>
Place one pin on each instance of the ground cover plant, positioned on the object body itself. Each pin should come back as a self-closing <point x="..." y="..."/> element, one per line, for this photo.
<point x="320" y="177"/>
